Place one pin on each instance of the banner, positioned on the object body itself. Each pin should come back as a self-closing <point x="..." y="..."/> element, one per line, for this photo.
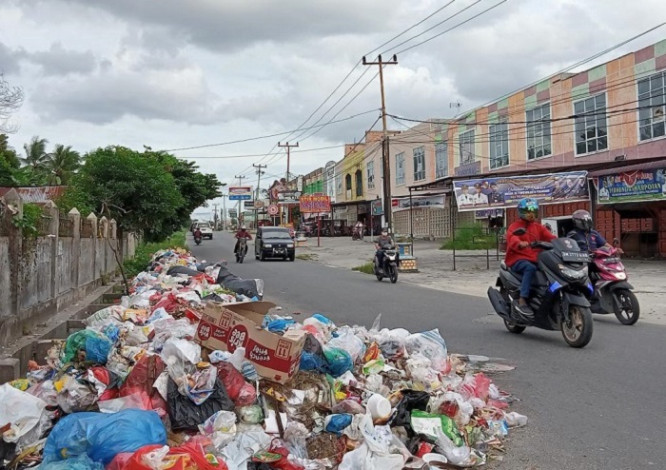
<point x="377" y="207"/>
<point x="315" y="203"/>
<point x="288" y="197"/>
<point x="632" y="186"/>
<point x="435" y="202"/>
<point x="489" y="214"/>
<point x="506" y="191"/>
<point x="240" y="193"/>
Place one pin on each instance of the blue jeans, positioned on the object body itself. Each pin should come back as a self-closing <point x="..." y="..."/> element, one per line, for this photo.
<point x="526" y="269"/>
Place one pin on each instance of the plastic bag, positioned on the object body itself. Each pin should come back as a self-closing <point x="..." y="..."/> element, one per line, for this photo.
<point x="426" y="423"/>
<point x="95" y="345"/>
<point x="461" y="456"/>
<point x="237" y="453"/>
<point x="187" y="416"/>
<point x="188" y="456"/>
<point x="200" y="385"/>
<point x="475" y="386"/>
<point x="142" y="377"/>
<point x="344" y="338"/>
<point x="454" y="406"/>
<point x="82" y="462"/>
<point x="431" y="345"/>
<point x="102" y="436"/>
<point x="74" y="395"/>
<point x="105" y="316"/>
<point x="338" y="361"/>
<point x="335" y="423"/>
<point x="21" y="410"/>
<point x="410" y="400"/>
<point x="138" y="401"/>
<point x="220" y="428"/>
<point x="241" y="392"/>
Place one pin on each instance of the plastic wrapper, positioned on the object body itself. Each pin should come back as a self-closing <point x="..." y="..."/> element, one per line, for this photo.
<point x="101" y="318"/>
<point x="220" y="428"/>
<point x="475" y="386"/>
<point x="180" y="356"/>
<point x="454" y="406"/>
<point x="239" y="451"/>
<point x="252" y="414"/>
<point x="101" y="436"/>
<point x="461" y="456"/>
<point x="241" y="392"/>
<point x="189" y="456"/>
<point x="431" y="345"/>
<point x="426" y="423"/>
<point x="74" y="395"/>
<point x="200" y="385"/>
<point x="186" y="415"/>
<point x="348" y="407"/>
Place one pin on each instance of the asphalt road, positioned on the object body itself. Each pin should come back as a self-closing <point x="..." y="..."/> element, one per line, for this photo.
<point x="601" y="407"/>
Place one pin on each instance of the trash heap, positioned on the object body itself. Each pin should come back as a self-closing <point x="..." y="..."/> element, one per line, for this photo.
<point x="141" y="388"/>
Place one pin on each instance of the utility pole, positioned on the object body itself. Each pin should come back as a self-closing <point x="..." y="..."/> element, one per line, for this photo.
<point x="224" y="212"/>
<point x="215" y="216"/>
<point x="288" y="146"/>
<point x="385" y="143"/>
<point x="256" y="198"/>
<point x="238" y="205"/>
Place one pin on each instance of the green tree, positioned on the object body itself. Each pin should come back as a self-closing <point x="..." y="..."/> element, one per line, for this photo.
<point x="11" y="172"/>
<point x="35" y="153"/>
<point x="61" y="164"/>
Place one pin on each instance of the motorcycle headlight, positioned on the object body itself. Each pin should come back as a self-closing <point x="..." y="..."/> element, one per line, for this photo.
<point x="268" y="245"/>
<point x="574" y="274"/>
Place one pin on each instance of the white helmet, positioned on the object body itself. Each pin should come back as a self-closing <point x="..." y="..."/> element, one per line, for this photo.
<point x="243" y="227"/>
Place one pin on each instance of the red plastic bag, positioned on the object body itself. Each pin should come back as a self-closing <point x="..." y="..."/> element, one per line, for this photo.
<point x="240" y="392"/>
<point x="277" y="447"/>
<point x="168" y="303"/>
<point x="189" y="456"/>
<point x="142" y="377"/>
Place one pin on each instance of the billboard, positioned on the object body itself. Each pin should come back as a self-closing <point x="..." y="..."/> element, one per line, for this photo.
<point x="435" y="202"/>
<point x="506" y="191"/>
<point x="632" y="186"/>
<point x="240" y="193"/>
<point x="315" y="203"/>
<point x="288" y="197"/>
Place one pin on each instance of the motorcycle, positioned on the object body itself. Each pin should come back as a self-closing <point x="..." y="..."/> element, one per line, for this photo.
<point x="612" y="292"/>
<point x="357" y="234"/>
<point x="390" y="268"/>
<point x="242" y="250"/>
<point x="558" y="296"/>
<point x="197" y="239"/>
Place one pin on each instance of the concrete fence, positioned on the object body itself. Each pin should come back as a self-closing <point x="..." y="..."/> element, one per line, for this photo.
<point x="70" y="257"/>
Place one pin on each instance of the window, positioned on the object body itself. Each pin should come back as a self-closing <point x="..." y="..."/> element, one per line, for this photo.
<point x="419" y="164"/>
<point x="441" y="159"/>
<point x="651" y="106"/>
<point x="371" y="175"/>
<point x="400" y="168"/>
<point x="499" y="145"/>
<point x="359" y="182"/>
<point x="591" y="127"/>
<point x="538" y="132"/>
<point x="348" y="182"/>
<point x="467" y="147"/>
<point x="338" y="184"/>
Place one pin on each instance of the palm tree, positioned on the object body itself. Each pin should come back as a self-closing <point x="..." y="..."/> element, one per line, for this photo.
<point x="61" y="164"/>
<point x="35" y="153"/>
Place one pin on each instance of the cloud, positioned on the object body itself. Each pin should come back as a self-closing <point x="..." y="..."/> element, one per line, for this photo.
<point x="9" y="60"/>
<point x="58" y="61"/>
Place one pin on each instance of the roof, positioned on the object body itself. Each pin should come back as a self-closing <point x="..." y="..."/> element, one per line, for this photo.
<point x="36" y="193"/>
<point x="653" y="165"/>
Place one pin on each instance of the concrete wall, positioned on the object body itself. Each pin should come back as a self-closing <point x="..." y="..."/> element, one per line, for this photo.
<point x="41" y="275"/>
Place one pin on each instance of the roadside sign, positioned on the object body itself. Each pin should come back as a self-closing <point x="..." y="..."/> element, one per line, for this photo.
<point x="240" y="193"/>
<point x="273" y="209"/>
<point x="289" y="197"/>
<point x="377" y="208"/>
<point x="311" y="203"/>
<point x="249" y="204"/>
<point x="232" y="212"/>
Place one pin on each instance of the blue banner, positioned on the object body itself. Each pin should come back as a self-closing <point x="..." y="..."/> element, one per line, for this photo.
<point x="632" y="186"/>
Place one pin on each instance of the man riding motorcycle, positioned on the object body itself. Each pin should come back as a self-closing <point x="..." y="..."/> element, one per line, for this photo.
<point x="521" y="258"/>
<point x="383" y="242"/>
<point x="197" y="233"/>
<point x="587" y="238"/>
<point x="242" y="233"/>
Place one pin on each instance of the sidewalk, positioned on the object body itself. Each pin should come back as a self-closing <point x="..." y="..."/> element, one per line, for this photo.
<point x="471" y="276"/>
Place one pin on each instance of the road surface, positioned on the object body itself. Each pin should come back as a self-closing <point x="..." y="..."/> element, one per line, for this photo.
<point x="601" y="407"/>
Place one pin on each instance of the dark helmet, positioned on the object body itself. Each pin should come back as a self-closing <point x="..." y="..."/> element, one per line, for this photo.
<point x="527" y="205"/>
<point x="582" y="220"/>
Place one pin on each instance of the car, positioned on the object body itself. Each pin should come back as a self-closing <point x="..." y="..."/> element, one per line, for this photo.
<point x="274" y="242"/>
<point x="206" y="231"/>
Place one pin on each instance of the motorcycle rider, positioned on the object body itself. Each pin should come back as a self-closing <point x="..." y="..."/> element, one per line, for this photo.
<point x="242" y="233"/>
<point x="587" y="238"/>
<point x="383" y="242"/>
<point x="521" y="258"/>
<point x="197" y="233"/>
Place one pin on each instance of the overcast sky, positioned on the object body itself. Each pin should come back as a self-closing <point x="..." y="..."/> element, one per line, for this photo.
<point x="175" y="74"/>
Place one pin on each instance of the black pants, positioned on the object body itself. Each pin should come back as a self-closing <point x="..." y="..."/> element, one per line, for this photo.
<point x="236" y="247"/>
<point x="380" y="258"/>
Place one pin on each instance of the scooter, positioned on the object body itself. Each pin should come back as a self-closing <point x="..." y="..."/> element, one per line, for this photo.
<point x="612" y="292"/>
<point x="197" y="240"/>
<point x="390" y="268"/>
<point x="242" y="250"/>
<point x="558" y="296"/>
<point x="357" y="234"/>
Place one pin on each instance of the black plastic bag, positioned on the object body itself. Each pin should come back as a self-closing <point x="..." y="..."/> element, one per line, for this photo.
<point x="182" y="270"/>
<point x="186" y="415"/>
<point x="411" y="400"/>
<point x="247" y="287"/>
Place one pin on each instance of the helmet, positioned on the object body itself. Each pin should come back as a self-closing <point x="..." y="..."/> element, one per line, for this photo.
<point x="582" y="220"/>
<point x="527" y="205"/>
<point x="243" y="227"/>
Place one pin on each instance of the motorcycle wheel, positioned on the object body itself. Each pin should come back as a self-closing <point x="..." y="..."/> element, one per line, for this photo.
<point x="630" y="310"/>
<point x="393" y="274"/>
<point x="578" y="331"/>
<point x="380" y="277"/>
<point x="513" y="328"/>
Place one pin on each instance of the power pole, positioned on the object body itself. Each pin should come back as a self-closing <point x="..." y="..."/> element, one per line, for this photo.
<point x="288" y="146"/>
<point x="215" y="216"/>
<point x="238" y="205"/>
<point x="256" y="198"/>
<point x="385" y="143"/>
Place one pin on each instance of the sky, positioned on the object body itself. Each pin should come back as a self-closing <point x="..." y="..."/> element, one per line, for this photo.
<point x="221" y="82"/>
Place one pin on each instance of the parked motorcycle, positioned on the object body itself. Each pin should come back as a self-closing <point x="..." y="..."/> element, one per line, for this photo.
<point x="242" y="250"/>
<point x="612" y="292"/>
<point x="390" y="268"/>
<point x="558" y="294"/>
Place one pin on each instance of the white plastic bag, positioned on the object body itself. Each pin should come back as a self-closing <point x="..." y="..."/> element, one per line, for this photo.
<point x="431" y="345"/>
<point x="21" y="410"/>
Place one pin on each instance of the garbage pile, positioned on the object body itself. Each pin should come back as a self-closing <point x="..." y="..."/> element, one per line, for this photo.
<point x="141" y="388"/>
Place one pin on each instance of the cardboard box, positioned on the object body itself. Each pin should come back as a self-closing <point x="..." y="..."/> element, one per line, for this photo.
<point x="229" y="326"/>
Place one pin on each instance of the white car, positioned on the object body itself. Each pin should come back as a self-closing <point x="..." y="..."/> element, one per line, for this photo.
<point x="206" y="231"/>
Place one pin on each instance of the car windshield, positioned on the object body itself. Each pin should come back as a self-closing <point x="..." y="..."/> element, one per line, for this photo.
<point x="276" y="234"/>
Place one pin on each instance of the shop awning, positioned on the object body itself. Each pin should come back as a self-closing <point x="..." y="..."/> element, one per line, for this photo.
<point x="653" y="165"/>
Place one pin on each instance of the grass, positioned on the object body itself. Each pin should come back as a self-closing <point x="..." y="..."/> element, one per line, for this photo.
<point x="366" y="268"/>
<point x="470" y="237"/>
<point x="307" y="256"/>
<point x="144" y="253"/>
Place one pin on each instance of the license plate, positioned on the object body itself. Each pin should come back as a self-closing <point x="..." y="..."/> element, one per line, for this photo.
<point x="575" y="257"/>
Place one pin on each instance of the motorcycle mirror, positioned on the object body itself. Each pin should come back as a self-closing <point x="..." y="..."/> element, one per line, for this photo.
<point x="519" y="232"/>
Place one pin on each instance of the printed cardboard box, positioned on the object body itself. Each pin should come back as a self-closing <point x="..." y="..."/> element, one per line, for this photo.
<point x="229" y="326"/>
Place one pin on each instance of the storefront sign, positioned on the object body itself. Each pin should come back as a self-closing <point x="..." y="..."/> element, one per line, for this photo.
<point x="289" y="197"/>
<point x="248" y="204"/>
<point x="315" y="203"/>
<point x="502" y="192"/>
<point x="489" y="214"/>
<point x="434" y="202"/>
<point x="633" y="186"/>
<point x="377" y="207"/>
<point x="240" y="193"/>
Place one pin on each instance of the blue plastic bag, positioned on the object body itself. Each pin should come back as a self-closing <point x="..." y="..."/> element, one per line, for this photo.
<point x="82" y="462"/>
<point x="338" y="361"/>
<point x="311" y="361"/>
<point x="102" y="436"/>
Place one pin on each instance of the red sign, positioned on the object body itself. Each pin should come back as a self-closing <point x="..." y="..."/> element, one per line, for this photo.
<point x="313" y="203"/>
